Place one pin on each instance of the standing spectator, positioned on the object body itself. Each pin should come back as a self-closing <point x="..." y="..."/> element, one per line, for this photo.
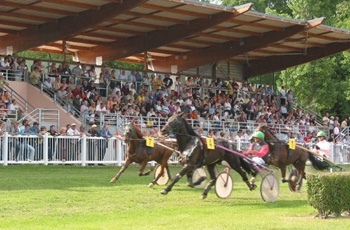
<point x="34" y="130"/>
<point x="290" y="100"/>
<point x="138" y="80"/>
<point x="25" y="146"/>
<point x="331" y="125"/>
<point x="2" y="82"/>
<point x="35" y="76"/>
<point x="73" y="143"/>
<point x="336" y="130"/>
<point x="325" y="120"/>
<point x="14" y="142"/>
<point x="93" y="143"/>
<point x="283" y="95"/>
<point x="105" y="133"/>
<point x="344" y="123"/>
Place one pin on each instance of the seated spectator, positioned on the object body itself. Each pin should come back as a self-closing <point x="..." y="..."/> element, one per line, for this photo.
<point x="13" y="108"/>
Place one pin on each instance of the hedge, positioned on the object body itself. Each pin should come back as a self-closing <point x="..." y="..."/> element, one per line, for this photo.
<point x="329" y="193"/>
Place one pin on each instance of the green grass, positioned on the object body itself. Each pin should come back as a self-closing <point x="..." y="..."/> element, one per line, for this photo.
<point x="74" y="197"/>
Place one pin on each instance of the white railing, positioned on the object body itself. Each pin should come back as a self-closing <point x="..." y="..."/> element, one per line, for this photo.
<point x="94" y="150"/>
<point x="117" y="122"/>
<point x="61" y="150"/>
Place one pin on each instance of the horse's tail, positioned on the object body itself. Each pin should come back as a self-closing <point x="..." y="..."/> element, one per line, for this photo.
<point x="317" y="163"/>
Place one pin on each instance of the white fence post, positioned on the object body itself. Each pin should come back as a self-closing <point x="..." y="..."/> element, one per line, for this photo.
<point x="119" y="152"/>
<point x="46" y="148"/>
<point x="83" y="150"/>
<point x="5" y="151"/>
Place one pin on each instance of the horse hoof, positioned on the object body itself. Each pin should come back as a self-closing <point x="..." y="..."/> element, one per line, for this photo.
<point x="203" y="196"/>
<point x="164" y="192"/>
<point x="284" y="180"/>
<point x="151" y="185"/>
<point x="114" y="179"/>
<point x="190" y="185"/>
<point x="252" y="187"/>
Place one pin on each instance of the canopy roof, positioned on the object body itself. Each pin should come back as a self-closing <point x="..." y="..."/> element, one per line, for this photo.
<point x="166" y="34"/>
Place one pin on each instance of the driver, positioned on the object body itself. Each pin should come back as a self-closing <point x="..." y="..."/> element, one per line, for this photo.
<point x="259" y="149"/>
<point x="323" y="147"/>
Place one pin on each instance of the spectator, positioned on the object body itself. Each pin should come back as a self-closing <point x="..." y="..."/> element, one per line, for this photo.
<point x="35" y="76"/>
<point x="2" y="82"/>
<point x="25" y="146"/>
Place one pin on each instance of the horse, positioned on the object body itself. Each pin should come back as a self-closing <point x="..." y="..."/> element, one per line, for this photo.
<point x="281" y="156"/>
<point x="138" y="152"/>
<point x="194" y="154"/>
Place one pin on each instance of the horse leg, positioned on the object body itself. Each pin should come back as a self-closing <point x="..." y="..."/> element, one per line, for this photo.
<point x="143" y="166"/>
<point x="283" y="172"/>
<point x="238" y="165"/>
<point x="124" y="167"/>
<point x="211" y="182"/>
<point x="189" y="176"/>
<point x="178" y="176"/>
<point x="158" y="176"/>
<point x="300" y="166"/>
<point x="168" y="171"/>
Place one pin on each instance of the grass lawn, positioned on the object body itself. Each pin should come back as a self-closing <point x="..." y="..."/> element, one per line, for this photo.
<point x="75" y="197"/>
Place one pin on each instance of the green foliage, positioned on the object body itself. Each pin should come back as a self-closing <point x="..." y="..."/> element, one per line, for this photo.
<point x="343" y="15"/>
<point x="124" y="65"/>
<point x="44" y="56"/>
<point x="329" y="193"/>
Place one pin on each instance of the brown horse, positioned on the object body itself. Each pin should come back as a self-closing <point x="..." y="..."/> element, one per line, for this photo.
<point x="138" y="152"/>
<point x="194" y="154"/>
<point x="281" y="155"/>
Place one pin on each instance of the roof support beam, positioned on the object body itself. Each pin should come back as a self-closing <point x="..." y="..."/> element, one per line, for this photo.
<point x="65" y="27"/>
<point x="277" y="63"/>
<point x="227" y="50"/>
<point x="139" y="44"/>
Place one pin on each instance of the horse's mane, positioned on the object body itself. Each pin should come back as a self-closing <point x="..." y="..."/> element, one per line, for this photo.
<point x="138" y="131"/>
<point x="188" y="128"/>
<point x="267" y="129"/>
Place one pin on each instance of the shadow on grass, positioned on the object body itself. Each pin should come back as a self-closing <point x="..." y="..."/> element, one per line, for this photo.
<point x="36" y="177"/>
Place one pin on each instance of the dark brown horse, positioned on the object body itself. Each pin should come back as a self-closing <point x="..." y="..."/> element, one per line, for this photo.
<point x="281" y="156"/>
<point x="195" y="154"/>
<point x="138" y="152"/>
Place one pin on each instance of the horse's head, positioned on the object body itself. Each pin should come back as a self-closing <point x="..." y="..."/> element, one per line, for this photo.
<point x="266" y="130"/>
<point x="132" y="132"/>
<point x="129" y="131"/>
<point x="262" y="128"/>
<point x="172" y="126"/>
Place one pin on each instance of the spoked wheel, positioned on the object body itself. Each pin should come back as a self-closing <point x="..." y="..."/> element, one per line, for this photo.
<point x="163" y="180"/>
<point x="293" y="179"/>
<point x="269" y="188"/>
<point x="223" y="185"/>
<point x="199" y="174"/>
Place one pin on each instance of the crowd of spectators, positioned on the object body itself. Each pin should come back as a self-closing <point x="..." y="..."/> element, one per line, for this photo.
<point x="157" y="96"/>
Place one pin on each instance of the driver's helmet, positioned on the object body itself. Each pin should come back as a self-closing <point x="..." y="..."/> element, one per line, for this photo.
<point x="259" y="135"/>
<point x="321" y="134"/>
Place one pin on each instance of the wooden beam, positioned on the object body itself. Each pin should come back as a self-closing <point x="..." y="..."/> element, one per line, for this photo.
<point x="277" y="63"/>
<point x="229" y="49"/>
<point x="65" y="27"/>
<point x="72" y="3"/>
<point x="33" y="7"/>
<point x="155" y="39"/>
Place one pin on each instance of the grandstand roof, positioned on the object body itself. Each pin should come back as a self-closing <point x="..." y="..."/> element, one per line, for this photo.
<point x="168" y="35"/>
